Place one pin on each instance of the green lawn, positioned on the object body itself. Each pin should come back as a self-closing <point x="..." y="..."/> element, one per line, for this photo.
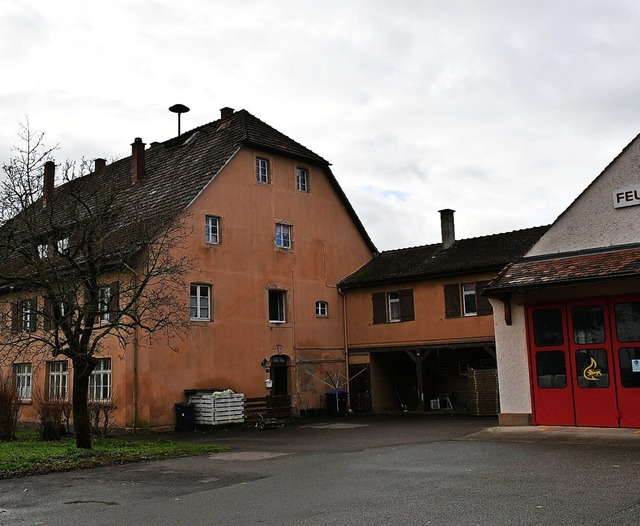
<point x="29" y="456"/>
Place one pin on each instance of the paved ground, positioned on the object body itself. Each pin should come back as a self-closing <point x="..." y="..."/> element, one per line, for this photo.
<point x="399" y="469"/>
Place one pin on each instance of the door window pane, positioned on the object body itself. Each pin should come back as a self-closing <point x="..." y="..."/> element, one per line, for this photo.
<point x="588" y="324"/>
<point x="628" y="321"/>
<point x="592" y="368"/>
<point x="547" y="327"/>
<point x="630" y="366"/>
<point x="551" y="368"/>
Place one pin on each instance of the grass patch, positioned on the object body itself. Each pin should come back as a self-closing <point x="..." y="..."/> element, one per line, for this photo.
<point x="29" y="456"/>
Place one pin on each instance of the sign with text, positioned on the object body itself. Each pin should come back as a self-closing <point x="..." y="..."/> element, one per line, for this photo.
<point x="626" y="197"/>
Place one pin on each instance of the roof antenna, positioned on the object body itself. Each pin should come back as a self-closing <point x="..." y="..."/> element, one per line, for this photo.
<point x="179" y="109"/>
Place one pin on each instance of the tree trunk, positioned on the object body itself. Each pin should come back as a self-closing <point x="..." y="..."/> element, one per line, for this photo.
<point x="81" y="420"/>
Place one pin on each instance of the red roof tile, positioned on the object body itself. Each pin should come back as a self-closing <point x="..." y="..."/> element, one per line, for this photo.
<point x="568" y="269"/>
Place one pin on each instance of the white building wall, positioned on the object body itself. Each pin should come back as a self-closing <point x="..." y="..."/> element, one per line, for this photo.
<point x="592" y="221"/>
<point x="512" y="358"/>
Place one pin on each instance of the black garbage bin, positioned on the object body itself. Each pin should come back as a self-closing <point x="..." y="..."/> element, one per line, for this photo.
<point x="185" y="417"/>
<point x="336" y="402"/>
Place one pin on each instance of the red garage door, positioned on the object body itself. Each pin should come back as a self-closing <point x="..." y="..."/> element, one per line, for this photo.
<point x="585" y="362"/>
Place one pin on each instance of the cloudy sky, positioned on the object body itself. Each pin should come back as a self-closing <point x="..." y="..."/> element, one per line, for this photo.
<point x="502" y="110"/>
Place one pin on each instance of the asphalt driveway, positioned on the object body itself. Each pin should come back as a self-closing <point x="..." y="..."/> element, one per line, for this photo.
<point x="392" y="469"/>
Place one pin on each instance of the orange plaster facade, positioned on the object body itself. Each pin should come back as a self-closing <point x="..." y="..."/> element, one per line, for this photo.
<point x="234" y="349"/>
<point x="386" y="347"/>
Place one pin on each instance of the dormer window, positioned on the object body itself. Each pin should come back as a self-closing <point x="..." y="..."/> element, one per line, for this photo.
<point x="43" y="251"/>
<point x="63" y="245"/>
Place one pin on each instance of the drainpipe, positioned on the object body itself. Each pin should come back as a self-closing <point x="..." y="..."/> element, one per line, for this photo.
<point x="134" y="415"/>
<point x="346" y="346"/>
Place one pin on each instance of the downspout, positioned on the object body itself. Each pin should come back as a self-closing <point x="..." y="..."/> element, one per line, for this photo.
<point x="346" y="346"/>
<point x="135" y="381"/>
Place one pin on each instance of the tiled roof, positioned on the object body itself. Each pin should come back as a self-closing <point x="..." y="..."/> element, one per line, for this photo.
<point x="177" y="170"/>
<point x="465" y="256"/>
<point x="568" y="268"/>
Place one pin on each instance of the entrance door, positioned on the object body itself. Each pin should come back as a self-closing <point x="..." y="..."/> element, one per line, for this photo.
<point x="552" y="387"/>
<point x="279" y="375"/>
<point x="592" y="364"/>
<point x="625" y="322"/>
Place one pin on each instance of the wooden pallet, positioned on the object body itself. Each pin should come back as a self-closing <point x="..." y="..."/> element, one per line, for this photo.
<point x="213" y="408"/>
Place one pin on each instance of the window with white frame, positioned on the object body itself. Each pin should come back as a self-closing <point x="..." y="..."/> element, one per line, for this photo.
<point x="104" y="300"/>
<point x="283" y="235"/>
<point x="277" y="306"/>
<point x="28" y="315"/>
<point x="469" y="303"/>
<point x="43" y="251"/>
<point x="393" y="306"/>
<point x="100" y="381"/>
<point x="322" y="309"/>
<point x="212" y="229"/>
<point x="302" y="180"/>
<point x="262" y="170"/>
<point x="22" y="372"/>
<point x="200" y="304"/>
<point x="63" y="245"/>
<point x="58" y="380"/>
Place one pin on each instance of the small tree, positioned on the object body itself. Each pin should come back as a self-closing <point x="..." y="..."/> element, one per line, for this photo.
<point x="82" y="268"/>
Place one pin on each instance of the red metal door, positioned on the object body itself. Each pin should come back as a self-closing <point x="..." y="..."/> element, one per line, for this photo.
<point x="592" y="364"/>
<point x="625" y="323"/>
<point x="551" y="385"/>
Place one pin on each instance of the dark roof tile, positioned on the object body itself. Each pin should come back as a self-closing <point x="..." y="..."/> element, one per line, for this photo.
<point x="465" y="256"/>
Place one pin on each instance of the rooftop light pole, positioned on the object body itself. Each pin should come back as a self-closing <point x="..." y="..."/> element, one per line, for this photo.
<point x="179" y="109"/>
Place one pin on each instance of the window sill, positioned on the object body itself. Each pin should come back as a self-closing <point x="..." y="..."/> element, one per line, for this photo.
<point x="200" y="320"/>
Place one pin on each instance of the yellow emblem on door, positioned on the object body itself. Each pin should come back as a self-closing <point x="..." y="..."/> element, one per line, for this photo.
<point x="591" y="372"/>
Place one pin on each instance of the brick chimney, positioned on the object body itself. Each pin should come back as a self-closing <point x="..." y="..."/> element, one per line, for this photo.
<point x="49" y="182"/>
<point x="99" y="164"/>
<point x="448" y="227"/>
<point x="226" y="112"/>
<point x="137" y="160"/>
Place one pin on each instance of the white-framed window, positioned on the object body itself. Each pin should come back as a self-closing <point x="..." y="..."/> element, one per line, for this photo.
<point x="262" y="170"/>
<point x="283" y="235"/>
<point x="302" y="179"/>
<point x="58" y="380"/>
<point x="28" y="315"/>
<point x="22" y="372"/>
<point x="322" y="309"/>
<point x="212" y="229"/>
<point x="43" y="251"/>
<point x="277" y="306"/>
<point x="469" y="303"/>
<point x="63" y="245"/>
<point x="200" y="303"/>
<point x="100" y="381"/>
<point x="393" y="299"/>
<point x="104" y="300"/>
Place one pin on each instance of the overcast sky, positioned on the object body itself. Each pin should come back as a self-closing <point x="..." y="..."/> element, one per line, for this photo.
<point x="502" y="110"/>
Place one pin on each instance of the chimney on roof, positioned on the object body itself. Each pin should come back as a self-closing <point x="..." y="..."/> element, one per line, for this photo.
<point x="448" y="227"/>
<point x="226" y="112"/>
<point x="99" y="164"/>
<point x="49" y="182"/>
<point x="137" y="160"/>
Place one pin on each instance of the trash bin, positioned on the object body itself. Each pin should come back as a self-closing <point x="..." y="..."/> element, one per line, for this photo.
<point x="185" y="417"/>
<point x="336" y="402"/>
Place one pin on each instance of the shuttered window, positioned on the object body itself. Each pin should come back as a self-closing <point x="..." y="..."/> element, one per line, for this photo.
<point x="394" y="306"/>
<point x="453" y="294"/>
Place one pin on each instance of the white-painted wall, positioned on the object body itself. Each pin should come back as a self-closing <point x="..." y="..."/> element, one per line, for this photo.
<point x="512" y="358"/>
<point x="591" y="221"/>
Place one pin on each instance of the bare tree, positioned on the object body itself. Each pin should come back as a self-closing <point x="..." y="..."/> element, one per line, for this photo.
<point x="82" y="270"/>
